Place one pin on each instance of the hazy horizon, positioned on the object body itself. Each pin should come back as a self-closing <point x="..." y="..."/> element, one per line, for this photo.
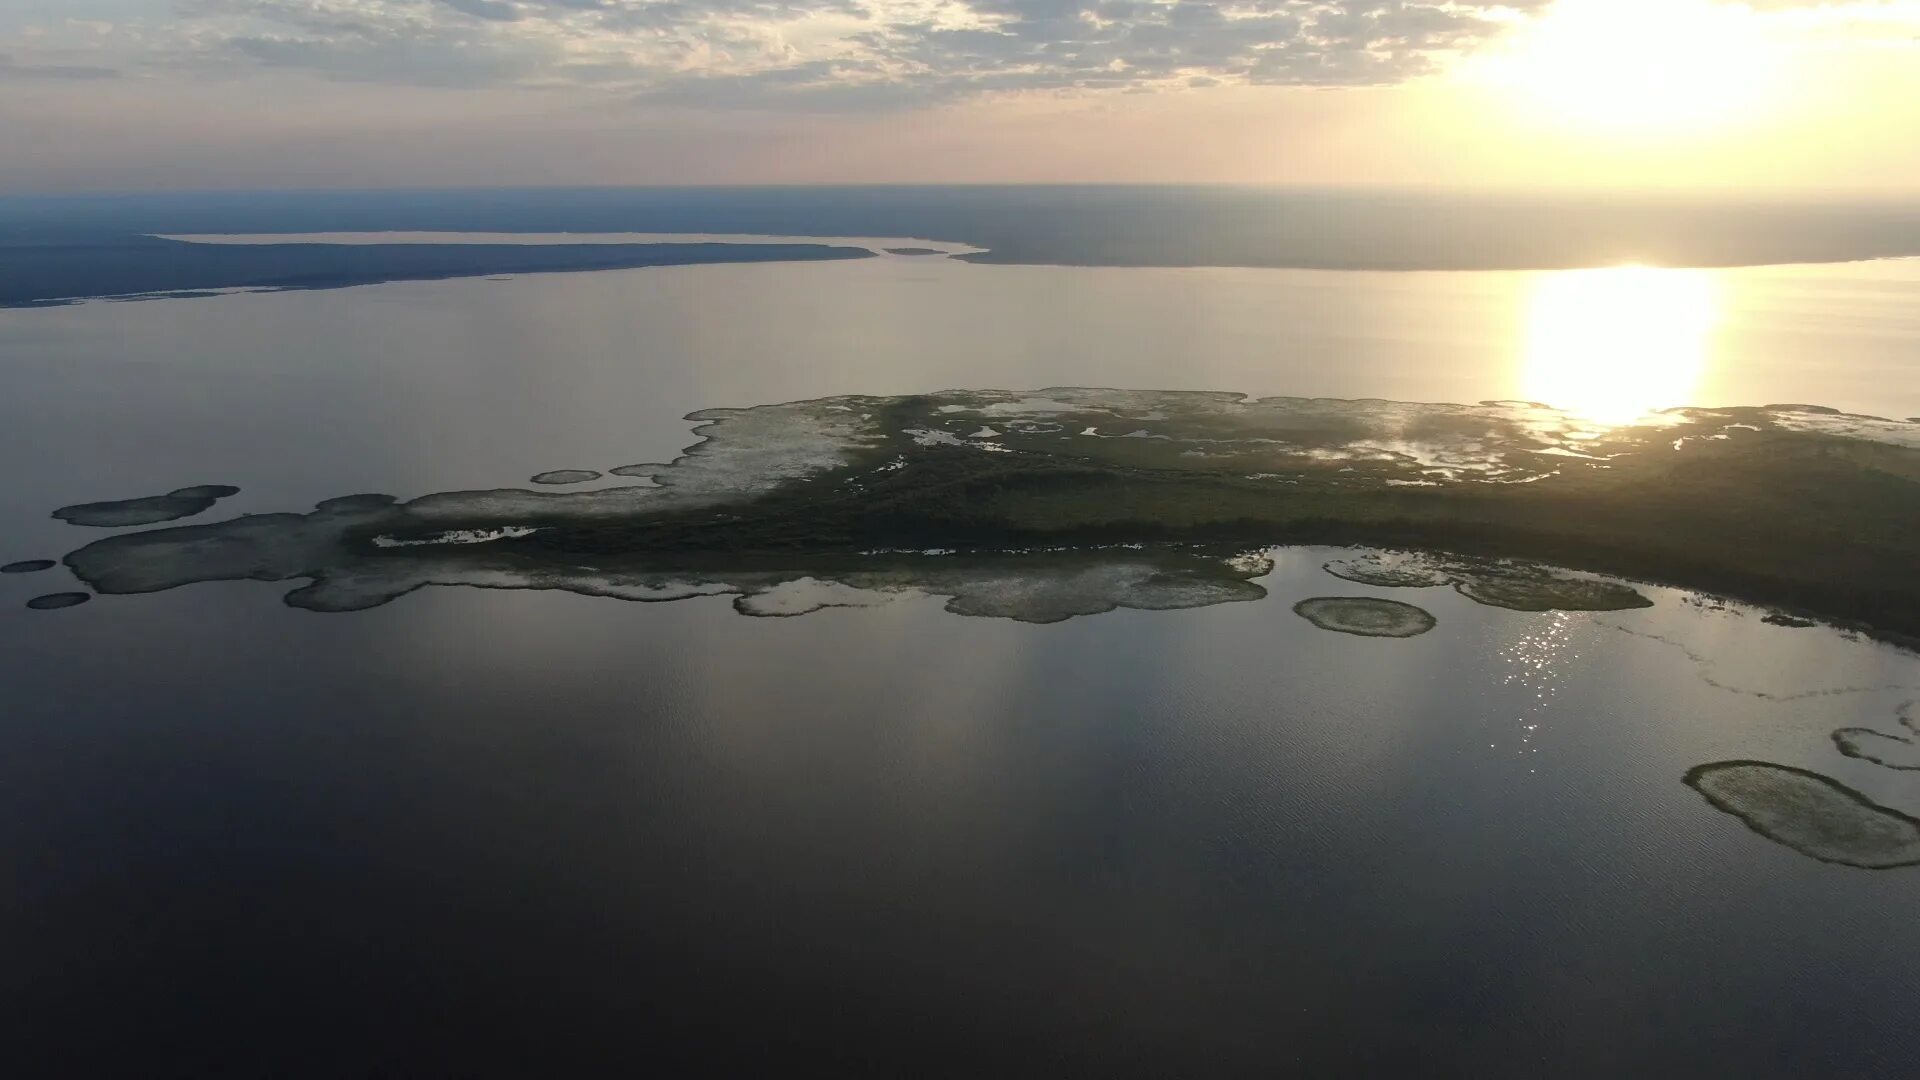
<point x="1811" y="196"/>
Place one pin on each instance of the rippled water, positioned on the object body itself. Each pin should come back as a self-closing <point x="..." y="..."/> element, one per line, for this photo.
<point x="484" y="829"/>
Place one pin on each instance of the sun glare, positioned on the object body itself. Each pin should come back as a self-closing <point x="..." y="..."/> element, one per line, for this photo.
<point x="1614" y="345"/>
<point x="1640" y="67"/>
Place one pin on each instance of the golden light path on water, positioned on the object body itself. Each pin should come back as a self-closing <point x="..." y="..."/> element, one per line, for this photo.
<point x="1615" y="344"/>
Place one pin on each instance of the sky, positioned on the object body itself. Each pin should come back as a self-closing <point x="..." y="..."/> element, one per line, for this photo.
<point x="1764" y="96"/>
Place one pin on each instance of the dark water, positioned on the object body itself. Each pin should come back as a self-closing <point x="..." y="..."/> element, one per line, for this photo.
<point x="476" y="831"/>
<point x="480" y="832"/>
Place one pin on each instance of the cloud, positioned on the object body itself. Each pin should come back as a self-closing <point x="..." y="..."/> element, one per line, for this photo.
<point x="849" y="54"/>
<point x="854" y="55"/>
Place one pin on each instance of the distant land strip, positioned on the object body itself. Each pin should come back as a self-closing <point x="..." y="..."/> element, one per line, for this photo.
<point x="57" y="248"/>
<point x="145" y="267"/>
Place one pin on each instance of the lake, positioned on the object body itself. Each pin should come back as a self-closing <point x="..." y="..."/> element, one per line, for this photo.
<point x="485" y="830"/>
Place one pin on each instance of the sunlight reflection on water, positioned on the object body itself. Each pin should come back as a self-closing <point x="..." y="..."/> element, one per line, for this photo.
<point x="1615" y="344"/>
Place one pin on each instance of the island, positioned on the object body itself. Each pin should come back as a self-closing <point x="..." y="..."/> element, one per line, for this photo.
<point x="1097" y="498"/>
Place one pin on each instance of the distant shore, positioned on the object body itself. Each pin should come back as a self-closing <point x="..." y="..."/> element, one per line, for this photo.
<point x="151" y="268"/>
<point x="55" y="248"/>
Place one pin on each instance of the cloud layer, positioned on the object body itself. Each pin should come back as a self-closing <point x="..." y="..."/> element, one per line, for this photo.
<point x="824" y="55"/>
<point x="833" y="54"/>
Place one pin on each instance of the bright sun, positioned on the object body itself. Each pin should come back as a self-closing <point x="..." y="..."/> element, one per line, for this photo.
<point x="1640" y="67"/>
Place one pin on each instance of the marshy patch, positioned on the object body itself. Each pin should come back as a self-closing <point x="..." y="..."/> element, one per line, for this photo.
<point x="1366" y="616"/>
<point x="204" y="491"/>
<point x="28" y="566"/>
<point x="57" y="601"/>
<point x="1515" y="586"/>
<point x="1393" y="570"/>
<point x="352" y="504"/>
<point x="1534" y="589"/>
<point x="1812" y="814"/>
<point x="1892" y="751"/>
<point x="148" y="510"/>
<point x="565" y="476"/>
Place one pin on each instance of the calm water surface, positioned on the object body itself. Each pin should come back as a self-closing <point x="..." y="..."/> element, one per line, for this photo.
<point x="481" y="831"/>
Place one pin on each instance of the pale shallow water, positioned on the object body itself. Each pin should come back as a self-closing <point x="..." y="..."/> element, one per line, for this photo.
<point x="423" y="386"/>
<point x="481" y="830"/>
